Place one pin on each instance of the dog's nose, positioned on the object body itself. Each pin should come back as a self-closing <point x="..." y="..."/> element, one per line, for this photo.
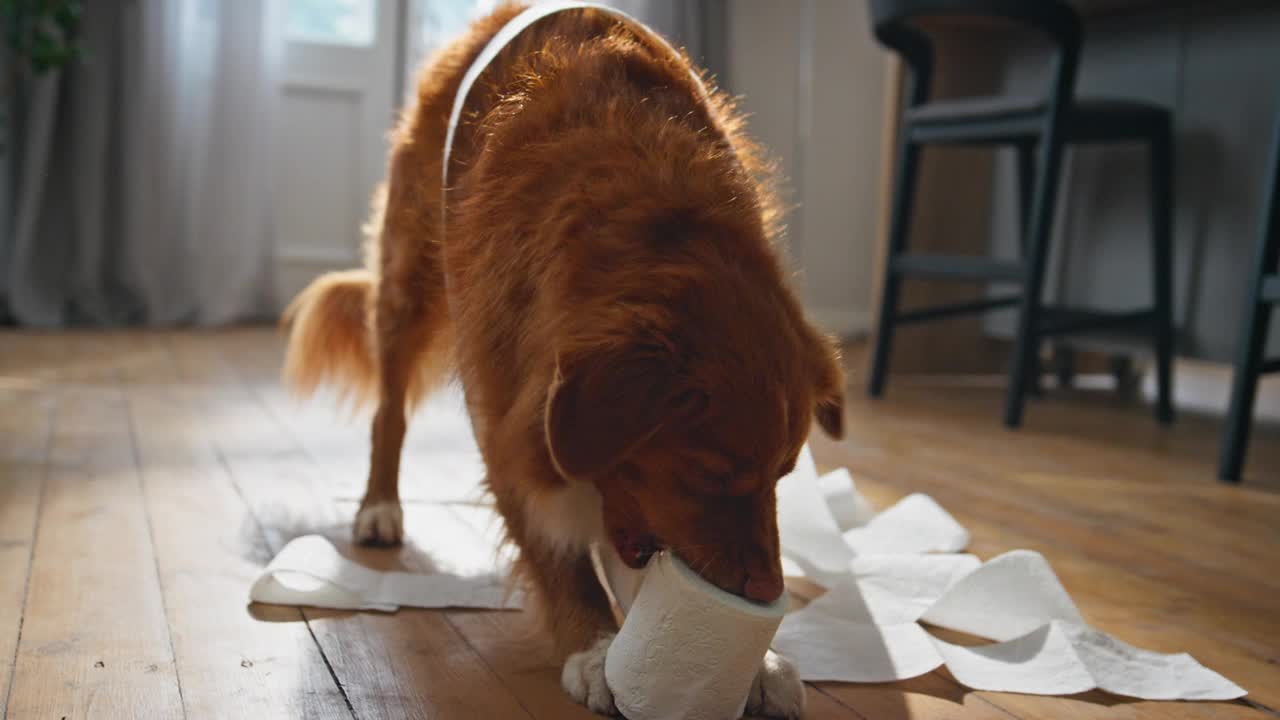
<point x="763" y="588"/>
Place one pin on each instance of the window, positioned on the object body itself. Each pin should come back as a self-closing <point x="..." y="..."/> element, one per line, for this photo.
<point x="331" y="22"/>
<point x="440" y="20"/>
<point x="432" y="23"/>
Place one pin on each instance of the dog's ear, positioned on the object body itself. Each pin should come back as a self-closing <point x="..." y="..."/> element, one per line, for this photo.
<point x="603" y="406"/>
<point x="829" y="384"/>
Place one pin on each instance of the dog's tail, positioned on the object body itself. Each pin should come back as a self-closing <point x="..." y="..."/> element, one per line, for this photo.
<point x="330" y="338"/>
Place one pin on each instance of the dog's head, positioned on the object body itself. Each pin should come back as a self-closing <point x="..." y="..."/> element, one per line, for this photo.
<point x="687" y="430"/>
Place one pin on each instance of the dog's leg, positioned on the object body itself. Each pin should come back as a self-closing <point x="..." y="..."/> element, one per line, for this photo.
<point x="582" y="625"/>
<point x="380" y="521"/>
<point x="410" y="325"/>
<point x="576" y="611"/>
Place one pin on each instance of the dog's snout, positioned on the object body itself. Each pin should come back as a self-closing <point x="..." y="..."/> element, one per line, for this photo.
<point x="763" y="588"/>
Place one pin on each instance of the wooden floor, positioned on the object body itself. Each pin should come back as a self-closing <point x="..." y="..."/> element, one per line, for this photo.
<point x="146" y="477"/>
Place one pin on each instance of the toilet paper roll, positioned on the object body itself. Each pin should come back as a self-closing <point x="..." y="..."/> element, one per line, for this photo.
<point x="687" y="648"/>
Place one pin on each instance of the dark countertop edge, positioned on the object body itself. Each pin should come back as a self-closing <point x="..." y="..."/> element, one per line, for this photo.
<point x="1168" y="8"/>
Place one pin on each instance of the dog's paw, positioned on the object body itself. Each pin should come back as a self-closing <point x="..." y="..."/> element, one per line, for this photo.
<point x="777" y="691"/>
<point x="379" y="523"/>
<point x="583" y="677"/>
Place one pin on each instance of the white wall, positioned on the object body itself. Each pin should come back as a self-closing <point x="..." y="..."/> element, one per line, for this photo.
<point x="812" y="78"/>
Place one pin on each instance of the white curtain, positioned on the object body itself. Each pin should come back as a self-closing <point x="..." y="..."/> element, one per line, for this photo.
<point x="142" y="183"/>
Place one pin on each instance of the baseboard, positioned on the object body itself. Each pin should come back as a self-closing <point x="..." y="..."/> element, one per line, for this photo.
<point x="1205" y="387"/>
<point x="845" y="323"/>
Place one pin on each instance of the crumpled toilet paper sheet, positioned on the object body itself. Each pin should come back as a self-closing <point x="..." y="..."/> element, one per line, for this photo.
<point x="310" y="571"/>
<point x="904" y="570"/>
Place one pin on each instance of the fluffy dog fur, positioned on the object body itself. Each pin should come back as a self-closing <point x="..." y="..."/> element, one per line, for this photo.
<point x="602" y="276"/>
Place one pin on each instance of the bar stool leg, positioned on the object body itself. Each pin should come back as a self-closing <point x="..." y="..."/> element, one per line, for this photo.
<point x="1026" y="191"/>
<point x="891" y="289"/>
<point x="1064" y="365"/>
<point x="1162" y="267"/>
<point x="1027" y="342"/>
<point x="1253" y="331"/>
<point x="1244" y="389"/>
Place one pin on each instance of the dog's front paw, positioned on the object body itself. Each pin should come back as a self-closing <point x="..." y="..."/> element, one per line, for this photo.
<point x="777" y="691"/>
<point x="379" y="523"/>
<point x="583" y="677"/>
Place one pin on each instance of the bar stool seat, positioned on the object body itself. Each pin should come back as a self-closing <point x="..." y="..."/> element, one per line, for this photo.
<point x="1020" y="118"/>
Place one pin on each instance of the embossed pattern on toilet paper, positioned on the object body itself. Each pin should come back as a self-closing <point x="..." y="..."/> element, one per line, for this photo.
<point x="687" y="649"/>
<point x="901" y="588"/>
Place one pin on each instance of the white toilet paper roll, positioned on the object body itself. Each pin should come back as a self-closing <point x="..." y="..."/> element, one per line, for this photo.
<point x="687" y="648"/>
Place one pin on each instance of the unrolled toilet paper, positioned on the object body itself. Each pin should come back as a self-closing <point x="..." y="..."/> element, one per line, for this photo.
<point x="916" y="524"/>
<point x="810" y="538"/>
<point x="310" y="571"/>
<point x="847" y="506"/>
<point x="688" y="649"/>
<point x="868" y="626"/>
<point x="890" y="576"/>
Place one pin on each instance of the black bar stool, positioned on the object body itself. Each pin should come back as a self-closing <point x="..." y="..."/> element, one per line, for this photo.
<point x="1263" y="293"/>
<point x="1038" y="129"/>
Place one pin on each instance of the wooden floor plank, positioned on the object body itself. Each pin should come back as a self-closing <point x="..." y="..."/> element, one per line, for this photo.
<point x="20" y="492"/>
<point x="412" y="663"/>
<point x="94" y="640"/>
<point x="25" y="425"/>
<point x="821" y="706"/>
<point x="233" y="662"/>
<point x="927" y="696"/>
<point x="25" y="428"/>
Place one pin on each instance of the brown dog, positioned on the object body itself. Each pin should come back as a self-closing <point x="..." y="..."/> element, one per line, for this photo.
<point x="603" y="279"/>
